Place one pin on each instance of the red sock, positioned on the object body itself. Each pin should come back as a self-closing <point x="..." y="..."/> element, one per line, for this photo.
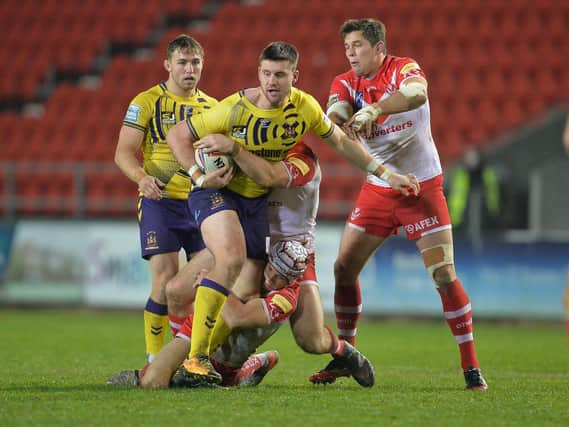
<point x="458" y="314"/>
<point x="348" y="305"/>
<point x="175" y="323"/>
<point x="337" y="344"/>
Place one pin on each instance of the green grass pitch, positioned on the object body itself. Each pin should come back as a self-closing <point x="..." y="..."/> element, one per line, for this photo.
<point x="54" y="365"/>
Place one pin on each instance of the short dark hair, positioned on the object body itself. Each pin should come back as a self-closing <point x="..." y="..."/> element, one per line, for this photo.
<point x="372" y="29"/>
<point x="184" y="42"/>
<point x="280" y="51"/>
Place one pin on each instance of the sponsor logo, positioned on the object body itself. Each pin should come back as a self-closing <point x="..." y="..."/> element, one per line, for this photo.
<point x="382" y="131"/>
<point x="301" y="165"/>
<point x="132" y="113"/>
<point x="355" y="213"/>
<point x="156" y="330"/>
<point x="209" y="322"/>
<point x="463" y="325"/>
<point x="269" y="154"/>
<point x="422" y="225"/>
<point x="409" y="67"/>
<point x="168" y="117"/>
<point x="239" y="132"/>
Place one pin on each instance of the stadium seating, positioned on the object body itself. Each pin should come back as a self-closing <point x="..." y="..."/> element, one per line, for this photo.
<point x="485" y="76"/>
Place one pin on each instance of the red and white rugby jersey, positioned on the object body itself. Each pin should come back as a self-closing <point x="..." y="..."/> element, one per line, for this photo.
<point x="403" y="141"/>
<point x="292" y="211"/>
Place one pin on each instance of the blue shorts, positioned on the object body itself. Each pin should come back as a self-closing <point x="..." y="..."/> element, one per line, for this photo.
<point x="252" y="214"/>
<point x="166" y="226"/>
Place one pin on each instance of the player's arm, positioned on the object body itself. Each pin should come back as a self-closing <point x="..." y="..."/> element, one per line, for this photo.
<point x="357" y="155"/>
<point x="250" y="314"/>
<point x="128" y="145"/>
<point x="159" y="372"/>
<point x="412" y="94"/>
<point x="263" y="172"/>
<point x="180" y="140"/>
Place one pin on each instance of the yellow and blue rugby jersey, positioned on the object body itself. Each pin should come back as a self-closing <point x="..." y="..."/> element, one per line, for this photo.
<point x="269" y="134"/>
<point x="154" y="112"/>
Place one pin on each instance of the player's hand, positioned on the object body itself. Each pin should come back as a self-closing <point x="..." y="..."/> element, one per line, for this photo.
<point x="151" y="187"/>
<point x="351" y="132"/>
<point x="406" y="184"/>
<point x="218" y="178"/>
<point x="362" y="122"/>
<point x="215" y="143"/>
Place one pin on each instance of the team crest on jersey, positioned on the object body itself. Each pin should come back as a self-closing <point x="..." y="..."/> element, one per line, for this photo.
<point x="132" y="113"/>
<point x="151" y="240"/>
<point x="290" y="130"/>
<point x="216" y="200"/>
<point x="168" y="118"/>
<point x="239" y="132"/>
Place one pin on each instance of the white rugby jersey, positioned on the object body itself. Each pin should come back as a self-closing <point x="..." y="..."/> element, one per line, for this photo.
<point x="403" y="142"/>
<point x="292" y="211"/>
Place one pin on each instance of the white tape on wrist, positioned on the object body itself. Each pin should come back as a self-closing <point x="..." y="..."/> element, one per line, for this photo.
<point x="372" y="166"/>
<point x="386" y="175"/>
<point x="193" y="170"/>
<point x="199" y="181"/>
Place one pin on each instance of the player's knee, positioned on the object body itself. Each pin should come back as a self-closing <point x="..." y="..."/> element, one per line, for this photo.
<point x="233" y="263"/>
<point x="444" y="275"/>
<point x="439" y="262"/>
<point x="150" y="380"/>
<point x="342" y="271"/>
<point x="174" y="289"/>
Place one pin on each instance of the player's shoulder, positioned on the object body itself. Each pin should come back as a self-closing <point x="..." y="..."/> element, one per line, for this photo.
<point x="403" y="63"/>
<point x="348" y="76"/>
<point x="203" y="97"/>
<point x="302" y="99"/>
<point x="155" y="91"/>
<point x="149" y="95"/>
<point x="233" y="99"/>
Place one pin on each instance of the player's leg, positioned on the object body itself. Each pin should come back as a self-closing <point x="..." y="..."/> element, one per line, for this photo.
<point x="224" y="238"/>
<point x="310" y="333"/>
<point x="566" y="303"/>
<point x="437" y="253"/>
<point x="356" y="247"/>
<point x="159" y="222"/>
<point x="181" y="289"/>
<point x="159" y="372"/>
<point x="245" y="287"/>
<point x="162" y="267"/>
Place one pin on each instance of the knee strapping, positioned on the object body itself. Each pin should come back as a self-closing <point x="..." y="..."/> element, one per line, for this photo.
<point x="437" y="257"/>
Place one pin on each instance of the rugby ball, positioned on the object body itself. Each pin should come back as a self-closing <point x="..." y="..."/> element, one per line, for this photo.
<point x="209" y="162"/>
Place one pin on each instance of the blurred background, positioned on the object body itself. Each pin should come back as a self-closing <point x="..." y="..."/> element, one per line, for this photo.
<point x="499" y="94"/>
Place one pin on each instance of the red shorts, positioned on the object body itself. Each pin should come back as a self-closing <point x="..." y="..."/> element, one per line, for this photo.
<point x="381" y="211"/>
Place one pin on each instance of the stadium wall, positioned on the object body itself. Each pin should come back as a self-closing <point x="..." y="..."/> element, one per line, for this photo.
<point x="97" y="264"/>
